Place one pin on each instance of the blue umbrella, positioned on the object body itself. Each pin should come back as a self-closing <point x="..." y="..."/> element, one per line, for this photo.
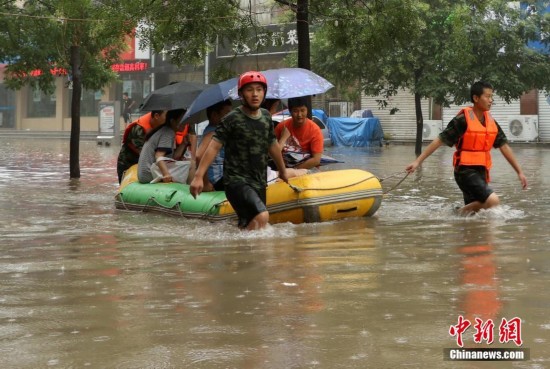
<point x="212" y="95"/>
<point x="283" y="83"/>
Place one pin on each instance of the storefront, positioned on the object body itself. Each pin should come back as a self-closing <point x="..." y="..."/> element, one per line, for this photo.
<point x="139" y="73"/>
<point x="7" y="103"/>
<point x="7" y="107"/>
<point x="31" y="109"/>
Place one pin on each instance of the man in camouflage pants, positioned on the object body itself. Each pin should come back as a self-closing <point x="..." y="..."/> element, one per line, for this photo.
<point x="247" y="136"/>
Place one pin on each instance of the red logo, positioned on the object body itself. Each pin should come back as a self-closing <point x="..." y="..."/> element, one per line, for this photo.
<point x="508" y="330"/>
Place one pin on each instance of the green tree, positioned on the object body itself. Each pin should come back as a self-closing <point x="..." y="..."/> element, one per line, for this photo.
<point x="82" y="37"/>
<point x="186" y="30"/>
<point x="434" y="48"/>
<point x="301" y="8"/>
<point x="306" y="14"/>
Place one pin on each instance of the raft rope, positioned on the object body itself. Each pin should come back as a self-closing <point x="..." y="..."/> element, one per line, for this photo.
<point x="299" y="189"/>
<point x="398" y="183"/>
<point x="121" y="199"/>
<point x="149" y="200"/>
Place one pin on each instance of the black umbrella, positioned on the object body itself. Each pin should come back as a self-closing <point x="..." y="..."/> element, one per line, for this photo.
<point x="179" y="95"/>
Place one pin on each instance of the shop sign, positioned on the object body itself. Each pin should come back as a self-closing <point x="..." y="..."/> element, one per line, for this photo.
<point x="54" y="71"/>
<point x="273" y="39"/>
<point x="130" y="67"/>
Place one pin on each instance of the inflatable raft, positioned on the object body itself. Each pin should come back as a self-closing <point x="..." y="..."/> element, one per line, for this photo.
<point x="316" y="197"/>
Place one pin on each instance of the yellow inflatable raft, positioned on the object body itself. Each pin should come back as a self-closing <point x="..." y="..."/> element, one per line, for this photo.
<point x="316" y="197"/>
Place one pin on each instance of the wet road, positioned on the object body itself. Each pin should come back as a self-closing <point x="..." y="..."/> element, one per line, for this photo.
<point x="86" y="286"/>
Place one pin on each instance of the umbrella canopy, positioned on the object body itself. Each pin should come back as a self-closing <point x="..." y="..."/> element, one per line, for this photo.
<point x="283" y="83"/>
<point x="212" y="95"/>
<point x="179" y="95"/>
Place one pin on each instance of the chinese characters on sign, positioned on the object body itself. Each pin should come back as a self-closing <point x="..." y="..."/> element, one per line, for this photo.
<point x="274" y="39"/>
<point x="130" y="67"/>
<point x="122" y="67"/>
<point x="54" y="72"/>
<point x="106" y="118"/>
<point x="508" y="330"/>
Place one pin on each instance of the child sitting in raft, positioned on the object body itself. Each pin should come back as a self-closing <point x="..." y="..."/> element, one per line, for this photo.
<point x="156" y="162"/>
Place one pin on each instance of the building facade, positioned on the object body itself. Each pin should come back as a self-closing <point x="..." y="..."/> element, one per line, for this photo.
<point x="140" y="72"/>
<point x="523" y="120"/>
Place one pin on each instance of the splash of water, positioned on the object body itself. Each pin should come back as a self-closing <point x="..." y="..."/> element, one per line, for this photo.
<point x="227" y="231"/>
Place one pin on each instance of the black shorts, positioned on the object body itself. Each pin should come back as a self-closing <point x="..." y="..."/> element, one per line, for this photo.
<point x="472" y="182"/>
<point x="246" y="201"/>
<point x="219" y="186"/>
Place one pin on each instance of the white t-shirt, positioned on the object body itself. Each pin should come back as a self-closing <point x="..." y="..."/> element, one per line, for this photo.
<point x="164" y="139"/>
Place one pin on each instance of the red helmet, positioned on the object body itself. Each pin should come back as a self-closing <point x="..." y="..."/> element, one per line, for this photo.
<point x="251" y="77"/>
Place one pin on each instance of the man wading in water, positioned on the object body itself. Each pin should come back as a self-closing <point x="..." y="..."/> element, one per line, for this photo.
<point x="246" y="134"/>
<point x="474" y="132"/>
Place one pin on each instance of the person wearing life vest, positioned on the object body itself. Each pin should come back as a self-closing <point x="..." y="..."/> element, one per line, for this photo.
<point x="474" y="132"/>
<point x="188" y="137"/>
<point x="134" y="138"/>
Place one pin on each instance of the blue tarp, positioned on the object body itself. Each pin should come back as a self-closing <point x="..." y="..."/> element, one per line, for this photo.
<point x="355" y="131"/>
<point x="320" y="114"/>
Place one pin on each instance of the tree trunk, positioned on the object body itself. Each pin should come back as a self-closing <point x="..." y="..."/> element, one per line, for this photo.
<point x="419" y="123"/>
<point x="74" y="163"/>
<point x="419" y="118"/>
<point x="302" y="33"/>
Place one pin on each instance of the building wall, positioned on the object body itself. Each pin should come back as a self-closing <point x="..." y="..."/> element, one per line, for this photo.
<point x="500" y="110"/>
<point x="402" y="126"/>
<point x="544" y="116"/>
<point x="62" y="119"/>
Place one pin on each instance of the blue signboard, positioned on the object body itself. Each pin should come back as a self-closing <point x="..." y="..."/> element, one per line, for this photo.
<point x="540" y="7"/>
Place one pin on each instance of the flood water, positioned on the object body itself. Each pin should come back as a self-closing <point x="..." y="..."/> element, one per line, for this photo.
<point x="83" y="285"/>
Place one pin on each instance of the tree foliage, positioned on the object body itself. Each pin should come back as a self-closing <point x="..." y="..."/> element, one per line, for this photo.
<point x="41" y="39"/>
<point x="434" y="48"/>
<point x="39" y="36"/>
<point x="186" y="30"/>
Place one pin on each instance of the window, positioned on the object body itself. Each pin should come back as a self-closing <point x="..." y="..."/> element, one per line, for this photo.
<point x="7" y="107"/>
<point x="39" y="104"/>
<point x="89" y="103"/>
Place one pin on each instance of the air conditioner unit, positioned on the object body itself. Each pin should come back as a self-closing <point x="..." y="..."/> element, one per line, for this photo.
<point x="431" y="129"/>
<point x="521" y="128"/>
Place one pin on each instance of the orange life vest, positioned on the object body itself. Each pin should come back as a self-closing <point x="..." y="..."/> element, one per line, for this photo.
<point x="474" y="147"/>
<point x="144" y="121"/>
<point x="180" y="135"/>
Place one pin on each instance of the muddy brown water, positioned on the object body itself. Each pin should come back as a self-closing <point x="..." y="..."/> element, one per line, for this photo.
<point x="84" y="285"/>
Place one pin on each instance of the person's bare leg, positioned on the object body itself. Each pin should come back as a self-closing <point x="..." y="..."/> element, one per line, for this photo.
<point x="476" y="206"/>
<point x="259" y="221"/>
